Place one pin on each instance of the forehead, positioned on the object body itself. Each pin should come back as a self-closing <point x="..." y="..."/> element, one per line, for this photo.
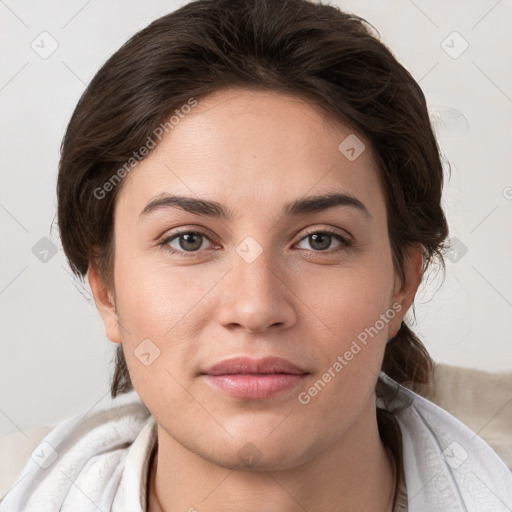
<point x="253" y="149"/>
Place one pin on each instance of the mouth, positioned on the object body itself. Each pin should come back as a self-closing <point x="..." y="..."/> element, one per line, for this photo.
<point x="251" y="379"/>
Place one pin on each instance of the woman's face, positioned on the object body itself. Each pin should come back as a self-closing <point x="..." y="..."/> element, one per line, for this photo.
<point x="257" y="282"/>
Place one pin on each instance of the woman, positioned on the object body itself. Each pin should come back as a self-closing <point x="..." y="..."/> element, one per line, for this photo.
<point x="253" y="190"/>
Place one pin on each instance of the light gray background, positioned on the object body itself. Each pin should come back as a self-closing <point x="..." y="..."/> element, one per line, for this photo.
<point x="55" y="358"/>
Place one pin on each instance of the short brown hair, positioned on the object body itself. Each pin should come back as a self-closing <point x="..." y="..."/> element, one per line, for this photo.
<point x="315" y="51"/>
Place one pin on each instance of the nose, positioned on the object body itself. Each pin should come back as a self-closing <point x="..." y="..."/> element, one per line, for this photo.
<point x="257" y="295"/>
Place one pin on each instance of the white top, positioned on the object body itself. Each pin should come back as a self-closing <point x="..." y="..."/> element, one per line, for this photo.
<point x="100" y="462"/>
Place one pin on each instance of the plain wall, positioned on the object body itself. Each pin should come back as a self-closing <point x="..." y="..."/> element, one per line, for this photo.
<point x="55" y="358"/>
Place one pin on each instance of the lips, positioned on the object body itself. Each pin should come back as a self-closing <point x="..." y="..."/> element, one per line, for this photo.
<point x="250" y="379"/>
<point x="245" y="366"/>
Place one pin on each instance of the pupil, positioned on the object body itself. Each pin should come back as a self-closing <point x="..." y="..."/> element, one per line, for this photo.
<point x="187" y="238"/>
<point x="321" y="236"/>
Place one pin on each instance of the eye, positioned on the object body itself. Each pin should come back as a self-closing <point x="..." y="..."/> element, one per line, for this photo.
<point x="185" y="242"/>
<point x="321" y="240"/>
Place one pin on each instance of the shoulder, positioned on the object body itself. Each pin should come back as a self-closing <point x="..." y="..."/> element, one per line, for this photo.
<point x="77" y="450"/>
<point x="15" y="449"/>
<point x="447" y="465"/>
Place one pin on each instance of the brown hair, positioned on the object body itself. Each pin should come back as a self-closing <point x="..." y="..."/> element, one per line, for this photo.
<point x="315" y="51"/>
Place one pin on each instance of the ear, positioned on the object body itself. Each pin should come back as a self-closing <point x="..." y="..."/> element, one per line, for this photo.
<point x="105" y="303"/>
<point x="405" y="291"/>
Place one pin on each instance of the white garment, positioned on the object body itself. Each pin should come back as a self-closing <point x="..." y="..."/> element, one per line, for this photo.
<point x="99" y="463"/>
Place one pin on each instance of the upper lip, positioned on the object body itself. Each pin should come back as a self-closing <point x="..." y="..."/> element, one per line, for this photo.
<point x="246" y="365"/>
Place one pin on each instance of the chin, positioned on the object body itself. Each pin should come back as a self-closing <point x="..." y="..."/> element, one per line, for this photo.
<point x="263" y="449"/>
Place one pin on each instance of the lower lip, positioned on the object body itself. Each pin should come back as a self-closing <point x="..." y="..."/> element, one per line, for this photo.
<point x="255" y="386"/>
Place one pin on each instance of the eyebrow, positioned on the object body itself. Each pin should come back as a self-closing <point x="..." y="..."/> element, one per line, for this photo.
<point x="311" y="204"/>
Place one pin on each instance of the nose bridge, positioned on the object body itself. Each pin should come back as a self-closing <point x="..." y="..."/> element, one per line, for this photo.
<point x="255" y="266"/>
<point x="256" y="296"/>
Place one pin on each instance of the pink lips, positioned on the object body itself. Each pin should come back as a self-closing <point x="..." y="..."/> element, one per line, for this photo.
<point x="242" y="377"/>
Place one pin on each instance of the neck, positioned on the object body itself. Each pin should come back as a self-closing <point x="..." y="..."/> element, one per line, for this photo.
<point x="354" y="474"/>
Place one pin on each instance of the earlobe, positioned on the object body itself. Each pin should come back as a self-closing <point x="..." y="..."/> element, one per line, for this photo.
<point x="105" y="303"/>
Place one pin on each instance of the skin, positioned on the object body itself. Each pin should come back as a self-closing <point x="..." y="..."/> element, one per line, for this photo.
<point x="254" y="151"/>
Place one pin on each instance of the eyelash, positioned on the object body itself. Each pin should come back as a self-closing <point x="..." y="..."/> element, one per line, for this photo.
<point x="345" y="242"/>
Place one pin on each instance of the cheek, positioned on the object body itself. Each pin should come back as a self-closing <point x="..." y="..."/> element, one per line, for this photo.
<point x="356" y="296"/>
<point x="156" y="298"/>
<point x="354" y="315"/>
<point x="349" y="353"/>
<point x="160" y="309"/>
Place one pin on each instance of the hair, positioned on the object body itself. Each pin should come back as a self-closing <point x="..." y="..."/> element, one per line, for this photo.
<point x="328" y="57"/>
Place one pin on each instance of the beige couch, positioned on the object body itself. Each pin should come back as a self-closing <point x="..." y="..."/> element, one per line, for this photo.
<point x="481" y="400"/>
